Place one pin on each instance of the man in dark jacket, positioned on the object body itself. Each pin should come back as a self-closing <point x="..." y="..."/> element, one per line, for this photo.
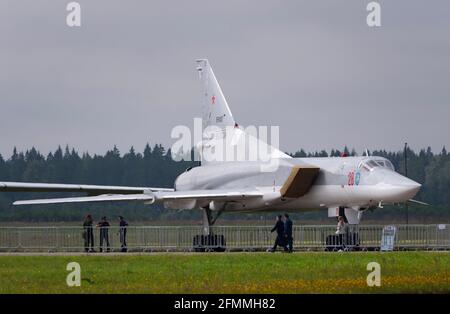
<point x="88" y="234"/>
<point x="104" y="234"/>
<point x="279" y="228"/>
<point x="288" y="233"/>
<point x="123" y="234"/>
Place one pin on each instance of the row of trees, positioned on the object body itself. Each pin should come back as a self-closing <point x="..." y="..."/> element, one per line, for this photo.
<point x="155" y="167"/>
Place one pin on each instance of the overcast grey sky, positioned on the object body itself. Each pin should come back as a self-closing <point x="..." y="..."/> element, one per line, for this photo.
<point x="314" y="68"/>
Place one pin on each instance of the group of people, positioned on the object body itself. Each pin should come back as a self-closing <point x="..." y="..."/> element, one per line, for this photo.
<point x="283" y="228"/>
<point x="103" y="225"/>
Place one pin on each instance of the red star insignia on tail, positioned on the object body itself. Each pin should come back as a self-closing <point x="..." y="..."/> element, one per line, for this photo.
<point x="213" y="100"/>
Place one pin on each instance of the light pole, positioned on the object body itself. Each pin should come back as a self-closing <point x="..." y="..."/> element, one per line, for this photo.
<point x="405" y="156"/>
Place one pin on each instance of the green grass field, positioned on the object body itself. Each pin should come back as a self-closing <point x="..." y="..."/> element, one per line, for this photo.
<point x="401" y="272"/>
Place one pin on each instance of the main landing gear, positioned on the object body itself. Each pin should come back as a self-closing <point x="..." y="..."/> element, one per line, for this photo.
<point x="208" y="241"/>
<point x="346" y="237"/>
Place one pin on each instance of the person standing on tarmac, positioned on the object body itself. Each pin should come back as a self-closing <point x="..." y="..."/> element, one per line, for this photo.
<point x="123" y="234"/>
<point x="88" y="234"/>
<point x="341" y="231"/>
<point x="104" y="236"/>
<point x="279" y="228"/>
<point x="288" y="233"/>
<point x="341" y="228"/>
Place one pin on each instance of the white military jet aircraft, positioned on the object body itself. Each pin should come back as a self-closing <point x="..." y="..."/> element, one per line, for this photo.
<point x="342" y="185"/>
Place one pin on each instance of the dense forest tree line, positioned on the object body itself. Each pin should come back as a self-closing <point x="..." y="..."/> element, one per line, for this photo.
<point x="155" y="167"/>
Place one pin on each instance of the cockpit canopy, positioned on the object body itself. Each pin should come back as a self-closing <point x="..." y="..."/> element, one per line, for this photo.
<point x="371" y="164"/>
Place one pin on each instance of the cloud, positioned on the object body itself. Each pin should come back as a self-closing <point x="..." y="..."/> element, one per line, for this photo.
<point x="314" y="68"/>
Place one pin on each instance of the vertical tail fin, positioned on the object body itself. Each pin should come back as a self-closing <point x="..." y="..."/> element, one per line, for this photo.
<point x="215" y="110"/>
<point x="222" y="139"/>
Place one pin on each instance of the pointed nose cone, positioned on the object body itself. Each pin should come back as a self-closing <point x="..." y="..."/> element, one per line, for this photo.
<point x="405" y="187"/>
<point x="411" y="189"/>
<point x="392" y="187"/>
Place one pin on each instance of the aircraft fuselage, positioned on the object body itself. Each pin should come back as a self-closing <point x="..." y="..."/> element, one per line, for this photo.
<point x="352" y="182"/>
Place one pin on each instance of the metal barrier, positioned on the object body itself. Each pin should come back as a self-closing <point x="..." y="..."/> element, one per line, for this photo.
<point x="181" y="238"/>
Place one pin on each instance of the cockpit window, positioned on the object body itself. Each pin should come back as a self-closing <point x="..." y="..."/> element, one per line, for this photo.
<point x="369" y="165"/>
<point x="386" y="163"/>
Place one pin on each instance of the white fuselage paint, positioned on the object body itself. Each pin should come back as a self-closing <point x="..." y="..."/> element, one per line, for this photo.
<point x="332" y="188"/>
